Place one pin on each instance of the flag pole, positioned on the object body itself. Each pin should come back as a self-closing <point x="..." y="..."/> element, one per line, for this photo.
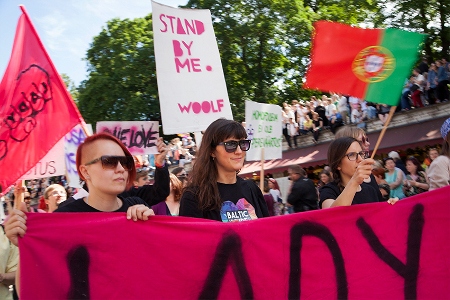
<point x="261" y="173"/>
<point x="383" y="131"/>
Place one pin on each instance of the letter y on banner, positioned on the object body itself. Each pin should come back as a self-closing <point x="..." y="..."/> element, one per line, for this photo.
<point x="36" y="110"/>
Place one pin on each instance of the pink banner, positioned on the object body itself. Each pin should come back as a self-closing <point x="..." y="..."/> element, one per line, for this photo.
<point x="371" y="251"/>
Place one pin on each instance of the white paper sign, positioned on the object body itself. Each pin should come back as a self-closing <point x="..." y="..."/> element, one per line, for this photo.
<point x="51" y="165"/>
<point x="139" y="137"/>
<point x="71" y="142"/>
<point x="263" y="126"/>
<point x="191" y="84"/>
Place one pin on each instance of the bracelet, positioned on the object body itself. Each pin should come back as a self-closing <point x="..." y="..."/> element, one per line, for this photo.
<point x="160" y="166"/>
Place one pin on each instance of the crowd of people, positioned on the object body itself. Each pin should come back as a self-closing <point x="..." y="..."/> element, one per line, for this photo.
<point x="213" y="190"/>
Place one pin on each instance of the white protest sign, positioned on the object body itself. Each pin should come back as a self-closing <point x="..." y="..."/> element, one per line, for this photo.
<point x="71" y="142"/>
<point x="191" y="84"/>
<point x="263" y="126"/>
<point x="51" y="165"/>
<point x="139" y="137"/>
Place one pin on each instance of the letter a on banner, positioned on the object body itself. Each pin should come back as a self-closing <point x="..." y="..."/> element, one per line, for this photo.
<point x="191" y="84"/>
<point x="36" y="110"/>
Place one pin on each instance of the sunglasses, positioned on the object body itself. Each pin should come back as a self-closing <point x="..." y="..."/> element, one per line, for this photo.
<point x="364" y="139"/>
<point x="231" y="146"/>
<point x="27" y="198"/>
<point x="110" y="162"/>
<point x="354" y="155"/>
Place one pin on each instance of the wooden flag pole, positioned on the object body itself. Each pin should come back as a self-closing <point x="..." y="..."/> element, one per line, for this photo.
<point x="261" y="174"/>
<point x="383" y="131"/>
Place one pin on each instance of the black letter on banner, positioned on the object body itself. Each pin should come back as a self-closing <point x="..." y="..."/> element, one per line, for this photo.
<point x="78" y="263"/>
<point x="229" y="251"/>
<point x="410" y="270"/>
<point x="323" y="233"/>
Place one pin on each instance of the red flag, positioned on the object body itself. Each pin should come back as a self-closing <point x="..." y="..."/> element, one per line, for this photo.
<point x="36" y="110"/>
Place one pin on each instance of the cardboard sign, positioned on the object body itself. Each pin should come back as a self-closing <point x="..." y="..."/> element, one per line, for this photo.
<point x="191" y="84"/>
<point x="368" y="251"/>
<point x="138" y="136"/>
<point x="51" y="165"/>
<point x="263" y="126"/>
<point x="71" y="142"/>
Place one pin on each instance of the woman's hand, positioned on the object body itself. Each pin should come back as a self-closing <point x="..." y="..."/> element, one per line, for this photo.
<point x="15" y="225"/>
<point x="392" y="201"/>
<point x="139" y="212"/>
<point x="363" y="170"/>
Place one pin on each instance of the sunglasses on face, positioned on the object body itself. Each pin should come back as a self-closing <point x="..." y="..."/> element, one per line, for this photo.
<point x="354" y="155"/>
<point x="231" y="146"/>
<point x="110" y="162"/>
<point x="364" y="139"/>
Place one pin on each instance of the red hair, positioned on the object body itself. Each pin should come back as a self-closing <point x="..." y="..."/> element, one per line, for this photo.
<point x="105" y="136"/>
<point x="275" y="183"/>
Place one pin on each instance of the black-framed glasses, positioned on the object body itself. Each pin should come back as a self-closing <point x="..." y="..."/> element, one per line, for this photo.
<point x="111" y="161"/>
<point x="354" y="155"/>
<point x="231" y="146"/>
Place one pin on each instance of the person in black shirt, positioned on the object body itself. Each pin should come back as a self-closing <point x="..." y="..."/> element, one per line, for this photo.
<point x="303" y="196"/>
<point x="350" y="166"/>
<point x="214" y="191"/>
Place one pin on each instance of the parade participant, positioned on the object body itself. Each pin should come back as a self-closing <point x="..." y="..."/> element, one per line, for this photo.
<point x="416" y="181"/>
<point x="9" y="258"/>
<point x="439" y="171"/>
<point x="142" y="177"/>
<point x="107" y="167"/>
<point x="394" y="177"/>
<point x="303" y="196"/>
<point x="54" y="195"/>
<point x="214" y="190"/>
<point x="349" y="166"/>
<point x="360" y="135"/>
<point x="170" y="207"/>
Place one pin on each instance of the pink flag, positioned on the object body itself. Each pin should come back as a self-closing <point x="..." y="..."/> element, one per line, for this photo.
<point x="36" y="110"/>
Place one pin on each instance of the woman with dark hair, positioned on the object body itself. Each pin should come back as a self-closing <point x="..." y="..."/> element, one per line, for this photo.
<point x="324" y="178"/>
<point x="214" y="191"/>
<point x="170" y="207"/>
<point x="416" y="181"/>
<point x="439" y="170"/>
<point x="349" y="166"/>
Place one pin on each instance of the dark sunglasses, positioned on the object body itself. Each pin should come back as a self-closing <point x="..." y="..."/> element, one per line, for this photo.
<point x="364" y="139"/>
<point x="231" y="146"/>
<point x="110" y="162"/>
<point x="27" y="198"/>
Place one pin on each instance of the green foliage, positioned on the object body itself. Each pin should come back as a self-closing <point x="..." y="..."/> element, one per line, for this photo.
<point x="122" y="80"/>
<point x="264" y="47"/>
<point x="70" y="85"/>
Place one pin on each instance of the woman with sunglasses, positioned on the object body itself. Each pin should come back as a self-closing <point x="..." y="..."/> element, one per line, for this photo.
<point x="350" y="166"/>
<point x="214" y="191"/>
<point x="108" y="169"/>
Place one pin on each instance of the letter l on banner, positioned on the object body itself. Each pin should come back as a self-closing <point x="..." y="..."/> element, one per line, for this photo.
<point x="36" y="110"/>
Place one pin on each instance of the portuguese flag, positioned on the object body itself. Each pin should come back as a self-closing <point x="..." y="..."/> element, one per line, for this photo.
<point x="370" y="64"/>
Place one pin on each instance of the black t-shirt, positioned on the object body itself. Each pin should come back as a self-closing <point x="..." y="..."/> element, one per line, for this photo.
<point x="81" y="206"/>
<point x="241" y="201"/>
<point x="368" y="193"/>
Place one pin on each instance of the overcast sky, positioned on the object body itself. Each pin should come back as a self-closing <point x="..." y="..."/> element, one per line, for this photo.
<point x="67" y="27"/>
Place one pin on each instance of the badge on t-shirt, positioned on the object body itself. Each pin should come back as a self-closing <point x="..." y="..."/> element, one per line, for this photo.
<point x="241" y="211"/>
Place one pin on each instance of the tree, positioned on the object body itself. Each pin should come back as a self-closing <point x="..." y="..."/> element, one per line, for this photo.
<point x="70" y="86"/>
<point x="426" y="16"/>
<point x="265" y="44"/>
<point x="121" y="85"/>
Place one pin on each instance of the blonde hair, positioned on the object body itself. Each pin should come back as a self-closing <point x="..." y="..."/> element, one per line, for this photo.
<point x="51" y="188"/>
